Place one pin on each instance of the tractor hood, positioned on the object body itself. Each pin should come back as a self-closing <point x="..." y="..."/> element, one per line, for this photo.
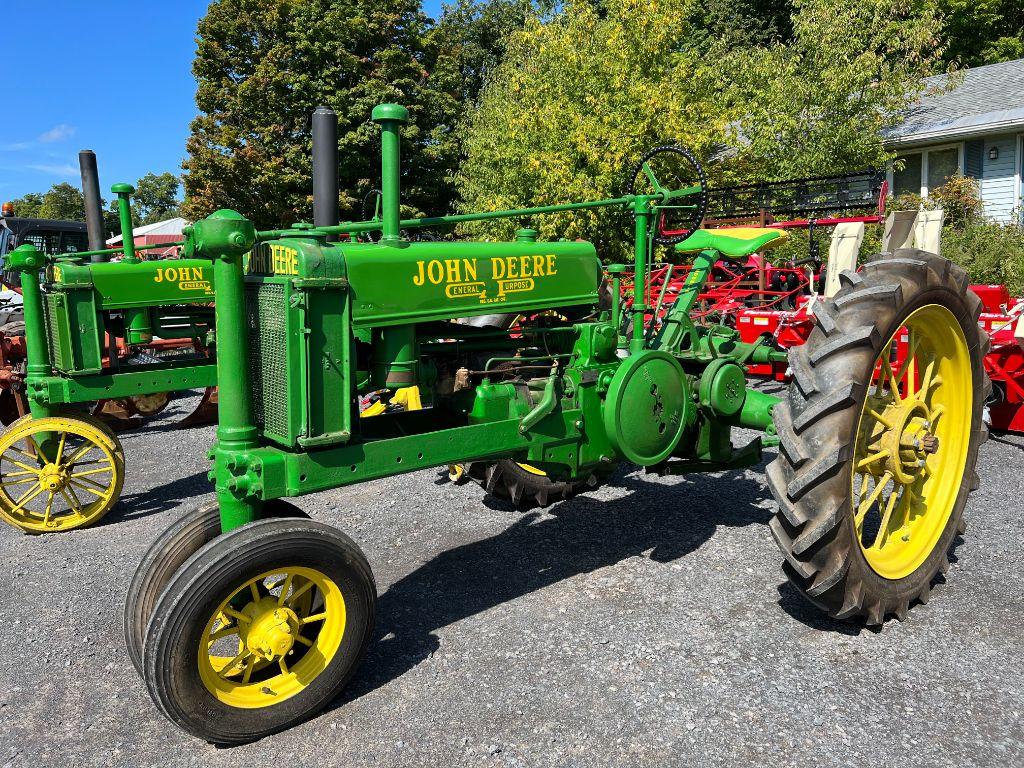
<point x="416" y="282"/>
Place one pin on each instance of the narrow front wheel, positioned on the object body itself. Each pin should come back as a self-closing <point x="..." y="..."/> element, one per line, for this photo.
<point x="259" y="630"/>
<point x="166" y="555"/>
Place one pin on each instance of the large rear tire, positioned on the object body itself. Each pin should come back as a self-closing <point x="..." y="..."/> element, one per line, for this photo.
<point x="524" y="486"/>
<point x="877" y="458"/>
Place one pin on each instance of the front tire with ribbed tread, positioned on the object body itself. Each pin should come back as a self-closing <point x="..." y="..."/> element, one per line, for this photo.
<point x="176" y="544"/>
<point x="811" y="479"/>
<point x="177" y="639"/>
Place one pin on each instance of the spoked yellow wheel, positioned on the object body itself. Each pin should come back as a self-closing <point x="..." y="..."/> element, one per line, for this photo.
<point x="58" y="473"/>
<point x="272" y="637"/>
<point x="912" y="442"/>
<point x="879" y="437"/>
<point x="259" y="630"/>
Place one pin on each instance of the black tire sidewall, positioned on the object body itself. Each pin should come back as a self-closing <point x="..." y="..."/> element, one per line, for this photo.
<point x="199" y="587"/>
<point x="166" y="555"/>
<point x="163" y="558"/>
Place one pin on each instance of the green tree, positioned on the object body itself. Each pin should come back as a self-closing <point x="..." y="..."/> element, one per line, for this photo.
<point x="978" y="32"/>
<point x="463" y="48"/>
<point x="744" y="22"/>
<point x="66" y="203"/>
<point x="156" y="198"/>
<point x="470" y="38"/>
<point x="63" y="201"/>
<point x="28" y="206"/>
<point x="579" y="95"/>
<point x="821" y="101"/>
<point x="263" y="67"/>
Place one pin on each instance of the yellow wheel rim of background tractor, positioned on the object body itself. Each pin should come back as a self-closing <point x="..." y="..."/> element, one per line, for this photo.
<point x="532" y="469"/>
<point x="71" y="481"/>
<point x="912" y="443"/>
<point x="283" y="639"/>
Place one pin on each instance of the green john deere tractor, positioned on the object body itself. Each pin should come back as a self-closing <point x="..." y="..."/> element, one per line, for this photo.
<point x="61" y="468"/>
<point x="341" y="361"/>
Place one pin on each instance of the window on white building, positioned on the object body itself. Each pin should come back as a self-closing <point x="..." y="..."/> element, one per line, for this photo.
<point x="925" y="170"/>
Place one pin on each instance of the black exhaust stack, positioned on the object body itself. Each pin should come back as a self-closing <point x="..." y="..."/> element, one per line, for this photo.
<point x="93" y="202"/>
<point x="325" y="169"/>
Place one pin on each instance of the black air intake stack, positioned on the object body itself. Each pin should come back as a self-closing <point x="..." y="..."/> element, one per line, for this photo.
<point x="325" y="169"/>
<point x="93" y="203"/>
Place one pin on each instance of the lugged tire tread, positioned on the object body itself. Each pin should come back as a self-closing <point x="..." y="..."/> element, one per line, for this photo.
<point x="810" y="477"/>
<point x="888" y="290"/>
<point x="824" y="405"/>
<point x="504" y="480"/>
<point x="863" y="336"/>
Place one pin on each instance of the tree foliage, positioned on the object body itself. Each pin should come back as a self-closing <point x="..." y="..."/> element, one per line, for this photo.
<point x="28" y="205"/>
<point x="62" y="201"/>
<point x="579" y="95"/>
<point x="263" y="67"/>
<point x="980" y="32"/>
<point x="156" y="198"/>
<point x="819" y="102"/>
<point x="581" y="92"/>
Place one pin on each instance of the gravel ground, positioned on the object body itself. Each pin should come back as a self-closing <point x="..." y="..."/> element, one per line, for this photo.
<point x="642" y="624"/>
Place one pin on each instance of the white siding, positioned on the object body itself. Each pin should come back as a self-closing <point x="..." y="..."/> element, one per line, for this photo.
<point x="999" y="177"/>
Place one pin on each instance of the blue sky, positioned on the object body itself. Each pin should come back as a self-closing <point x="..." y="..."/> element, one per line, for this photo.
<point x="112" y="76"/>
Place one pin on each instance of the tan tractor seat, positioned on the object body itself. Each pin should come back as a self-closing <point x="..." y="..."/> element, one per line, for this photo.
<point x="733" y="242"/>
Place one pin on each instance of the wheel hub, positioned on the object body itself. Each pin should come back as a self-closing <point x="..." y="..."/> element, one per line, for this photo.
<point x="906" y="439"/>
<point x="273" y="629"/>
<point x="53" y="477"/>
<point x="906" y="443"/>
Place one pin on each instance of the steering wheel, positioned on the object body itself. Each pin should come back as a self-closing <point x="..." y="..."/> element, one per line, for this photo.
<point x="671" y="167"/>
<point x="371" y="212"/>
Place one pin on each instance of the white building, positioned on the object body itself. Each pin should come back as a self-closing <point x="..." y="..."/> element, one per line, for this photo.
<point x="976" y="128"/>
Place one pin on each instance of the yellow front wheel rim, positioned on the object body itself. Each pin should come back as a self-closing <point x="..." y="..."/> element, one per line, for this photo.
<point x="58" y="473"/>
<point x="272" y="637"/>
<point x="912" y="442"/>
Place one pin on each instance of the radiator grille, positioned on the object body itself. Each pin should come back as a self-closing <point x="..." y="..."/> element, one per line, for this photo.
<point x="266" y="318"/>
<point x="52" y="324"/>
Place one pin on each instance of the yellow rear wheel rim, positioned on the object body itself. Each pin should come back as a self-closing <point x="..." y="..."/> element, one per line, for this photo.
<point x="912" y="442"/>
<point x="272" y="637"/>
<point x="58" y="473"/>
<point x="532" y="469"/>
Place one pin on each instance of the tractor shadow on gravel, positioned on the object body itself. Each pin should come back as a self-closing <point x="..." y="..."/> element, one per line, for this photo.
<point x="161" y="498"/>
<point x="801" y="609"/>
<point x="666" y="520"/>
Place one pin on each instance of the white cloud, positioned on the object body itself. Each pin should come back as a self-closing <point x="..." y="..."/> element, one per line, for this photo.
<point x="64" y="170"/>
<point x="57" y="133"/>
